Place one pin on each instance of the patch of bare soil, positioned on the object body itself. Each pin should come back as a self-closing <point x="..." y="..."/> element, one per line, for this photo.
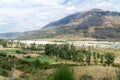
<point x="16" y="73"/>
<point x="1" y="47"/>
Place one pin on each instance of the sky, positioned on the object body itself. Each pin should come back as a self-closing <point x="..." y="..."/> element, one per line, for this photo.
<point x="26" y="15"/>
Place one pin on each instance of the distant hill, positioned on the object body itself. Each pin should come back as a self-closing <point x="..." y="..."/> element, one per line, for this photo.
<point x="94" y="23"/>
<point x="9" y="35"/>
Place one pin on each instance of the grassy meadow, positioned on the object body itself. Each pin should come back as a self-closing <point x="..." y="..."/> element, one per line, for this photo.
<point x="9" y="50"/>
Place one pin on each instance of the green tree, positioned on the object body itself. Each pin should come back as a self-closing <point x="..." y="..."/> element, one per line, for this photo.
<point x="88" y="58"/>
<point x="3" y="42"/>
<point x="33" y="47"/>
<point x="101" y="58"/>
<point x="96" y="57"/>
<point x="109" y="57"/>
<point x="47" y="49"/>
<point x="80" y="57"/>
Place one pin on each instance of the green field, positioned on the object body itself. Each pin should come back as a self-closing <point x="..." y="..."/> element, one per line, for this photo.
<point x="9" y="50"/>
<point x="42" y="59"/>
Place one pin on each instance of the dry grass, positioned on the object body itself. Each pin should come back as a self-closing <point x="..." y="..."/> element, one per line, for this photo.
<point x="17" y="73"/>
<point x="97" y="72"/>
<point x="3" y="78"/>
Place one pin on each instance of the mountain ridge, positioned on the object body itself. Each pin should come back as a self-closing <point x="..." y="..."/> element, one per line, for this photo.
<point x="85" y="24"/>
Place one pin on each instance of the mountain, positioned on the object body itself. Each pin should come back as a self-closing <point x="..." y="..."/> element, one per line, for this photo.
<point x="9" y="35"/>
<point x="94" y="23"/>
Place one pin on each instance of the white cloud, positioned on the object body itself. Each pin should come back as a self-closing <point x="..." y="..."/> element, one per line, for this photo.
<point x="98" y="0"/>
<point x="70" y="8"/>
<point x="104" y="4"/>
<point x="22" y="15"/>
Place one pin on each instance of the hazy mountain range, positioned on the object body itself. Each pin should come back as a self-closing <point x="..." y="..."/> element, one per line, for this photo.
<point x="94" y="23"/>
<point x="9" y="35"/>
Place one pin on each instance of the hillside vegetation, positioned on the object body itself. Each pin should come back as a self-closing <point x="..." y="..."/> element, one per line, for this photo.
<point x="58" y="61"/>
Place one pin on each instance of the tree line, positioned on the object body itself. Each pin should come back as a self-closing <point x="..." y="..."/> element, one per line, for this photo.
<point x="84" y="56"/>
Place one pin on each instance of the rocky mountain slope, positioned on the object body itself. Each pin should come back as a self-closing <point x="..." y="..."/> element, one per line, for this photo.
<point x="94" y="23"/>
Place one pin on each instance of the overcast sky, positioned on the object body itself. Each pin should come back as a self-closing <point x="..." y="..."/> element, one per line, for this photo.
<point x="25" y="15"/>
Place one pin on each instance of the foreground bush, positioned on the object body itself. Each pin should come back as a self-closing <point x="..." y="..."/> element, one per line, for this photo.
<point x="63" y="73"/>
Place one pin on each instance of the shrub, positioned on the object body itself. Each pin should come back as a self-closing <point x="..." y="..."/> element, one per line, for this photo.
<point x="110" y="57"/>
<point x="4" y="72"/>
<point x="63" y="73"/>
<point x="28" y="56"/>
<point x="3" y="54"/>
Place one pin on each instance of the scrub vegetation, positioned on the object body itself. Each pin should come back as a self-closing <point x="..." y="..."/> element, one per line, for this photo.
<point x="58" y="62"/>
